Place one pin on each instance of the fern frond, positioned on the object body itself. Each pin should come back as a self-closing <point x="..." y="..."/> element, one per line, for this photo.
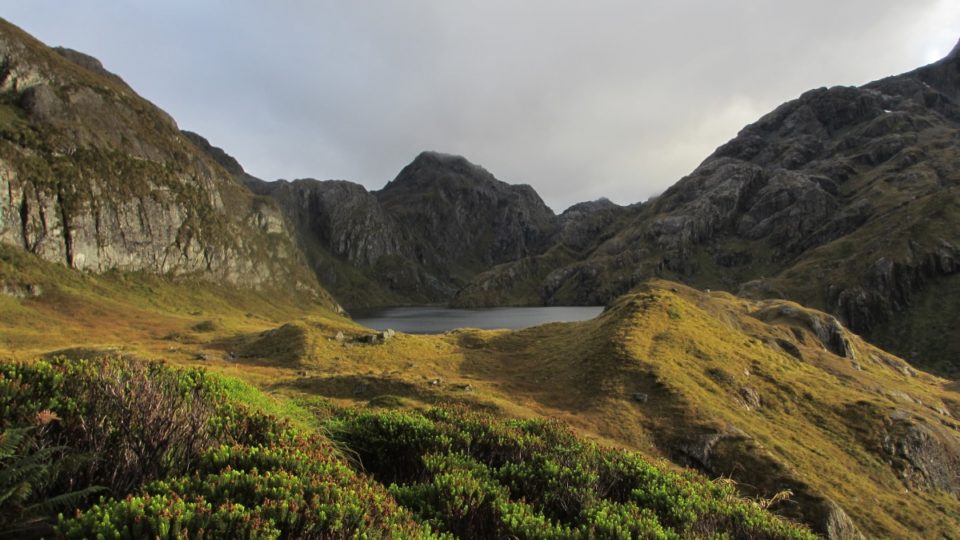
<point x="64" y="500"/>
<point x="12" y="495"/>
<point x="26" y="528"/>
<point x="23" y="471"/>
<point x="10" y="440"/>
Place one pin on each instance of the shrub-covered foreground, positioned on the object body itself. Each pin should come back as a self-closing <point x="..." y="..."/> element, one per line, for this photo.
<point x="134" y="450"/>
<point x="175" y="458"/>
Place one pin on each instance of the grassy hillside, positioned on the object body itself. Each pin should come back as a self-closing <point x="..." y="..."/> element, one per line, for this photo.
<point x="769" y="394"/>
<point x="46" y="307"/>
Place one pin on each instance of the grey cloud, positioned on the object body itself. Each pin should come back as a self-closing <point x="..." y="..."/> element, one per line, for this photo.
<point x="579" y="99"/>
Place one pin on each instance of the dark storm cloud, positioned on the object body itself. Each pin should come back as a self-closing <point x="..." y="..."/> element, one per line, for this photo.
<point x="579" y="99"/>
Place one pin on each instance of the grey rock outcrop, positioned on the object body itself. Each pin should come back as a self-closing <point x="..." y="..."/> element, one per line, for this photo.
<point x="826" y="329"/>
<point x="342" y="216"/>
<point x="583" y="225"/>
<point x="835" y="524"/>
<point x="927" y="457"/>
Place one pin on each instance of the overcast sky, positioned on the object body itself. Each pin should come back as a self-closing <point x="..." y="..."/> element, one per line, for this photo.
<point x="580" y="99"/>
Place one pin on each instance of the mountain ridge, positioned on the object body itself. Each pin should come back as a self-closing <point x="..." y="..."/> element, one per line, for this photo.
<point x="418" y="239"/>
<point x="99" y="179"/>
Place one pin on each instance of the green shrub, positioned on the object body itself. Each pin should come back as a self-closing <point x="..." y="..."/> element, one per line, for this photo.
<point x="296" y="490"/>
<point x="204" y="326"/>
<point x="479" y="477"/>
<point x="139" y="421"/>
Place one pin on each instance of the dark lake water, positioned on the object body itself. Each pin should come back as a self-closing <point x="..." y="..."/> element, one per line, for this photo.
<point x="435" y="320"/>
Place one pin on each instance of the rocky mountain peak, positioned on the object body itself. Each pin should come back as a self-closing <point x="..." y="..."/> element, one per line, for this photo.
<point x="437" y="224"/>
<point x="458" y="211"/>
<point x="454" y="162"/>
<point x="443" y="158"/>
<point x="443" y="171"/>
<point x="935" y="87"/>
<point x="844" y="198"/>
<point x="589" y="207"/>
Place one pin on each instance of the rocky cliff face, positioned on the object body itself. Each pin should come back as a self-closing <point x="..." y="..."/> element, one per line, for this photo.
<point x="846" y="199"/>
<point x="440" y="222"/>
<point x="352" y="244"/>
<point x="534" y="280"/>
<point x="94" y="177"/>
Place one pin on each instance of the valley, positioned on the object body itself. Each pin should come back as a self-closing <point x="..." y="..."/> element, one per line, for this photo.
<point x="775" y="356"/>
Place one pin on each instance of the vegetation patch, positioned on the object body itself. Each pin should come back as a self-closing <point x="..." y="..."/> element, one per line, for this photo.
<point x="204" y="326"/>
<point x="174" y="454"/>
<point x="475" y="476"/>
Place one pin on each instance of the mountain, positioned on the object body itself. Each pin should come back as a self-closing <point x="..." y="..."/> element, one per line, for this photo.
<point x="96" y="178"/>
<point x="352" y="245"/>
<point x="582" y="228"/>
<point x="422" y="237"/>
<point x="459" y="219"/>
<point x="846" y="199"/>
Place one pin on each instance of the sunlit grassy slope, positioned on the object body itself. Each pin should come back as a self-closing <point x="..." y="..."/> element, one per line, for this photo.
<point x="755" y="391"/>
